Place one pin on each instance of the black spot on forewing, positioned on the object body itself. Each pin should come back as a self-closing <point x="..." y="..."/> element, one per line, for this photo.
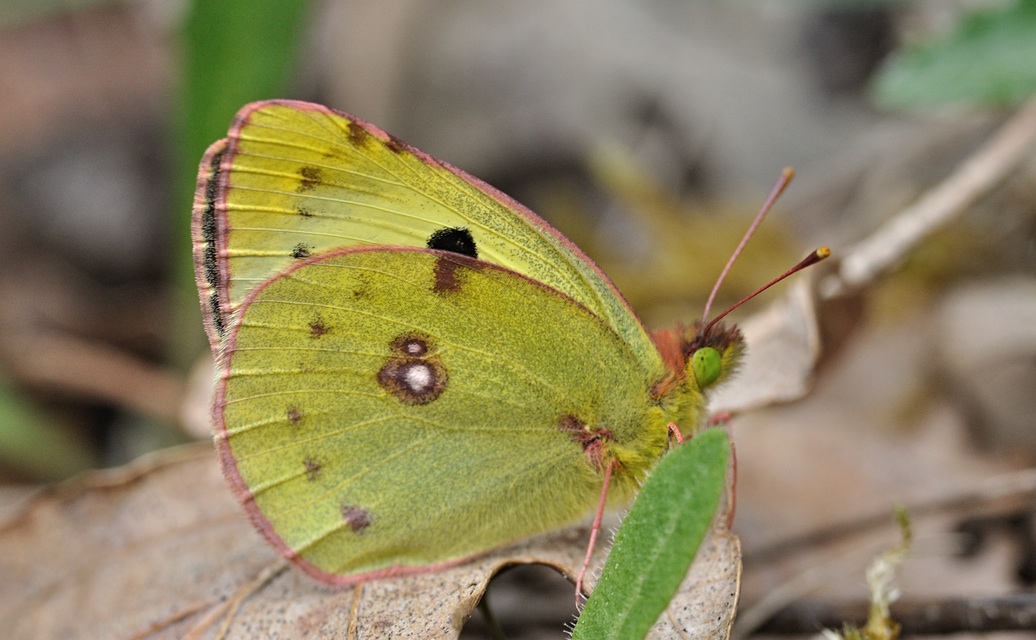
<point x="301" y="250"/>
<point x="454" y="240"/>
<point x="357" y="518"/>
<point x="309" y="178"/>
<point x="303" y="211"/>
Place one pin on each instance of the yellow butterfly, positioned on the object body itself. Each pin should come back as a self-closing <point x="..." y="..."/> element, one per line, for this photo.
<point x="414" y="368"/>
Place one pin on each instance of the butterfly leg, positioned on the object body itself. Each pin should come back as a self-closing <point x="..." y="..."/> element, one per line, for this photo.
<point x="676" y="433"/>
<point x="720" y="419"/>
<point x="594" y="530"/>
<point x="732" y="483"/>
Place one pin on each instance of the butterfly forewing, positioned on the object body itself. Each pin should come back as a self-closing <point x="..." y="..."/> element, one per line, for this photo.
<point x="294" y="180"/>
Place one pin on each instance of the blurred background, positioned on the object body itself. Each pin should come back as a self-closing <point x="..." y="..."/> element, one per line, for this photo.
<point x="647" y="131"/>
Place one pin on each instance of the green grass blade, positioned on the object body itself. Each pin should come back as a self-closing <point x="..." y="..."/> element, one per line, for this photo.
<point x="657" y="541"/>
<point x="233" y="52"/>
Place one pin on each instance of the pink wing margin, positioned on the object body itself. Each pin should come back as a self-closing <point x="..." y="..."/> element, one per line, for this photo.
<point x="208" y="234"/>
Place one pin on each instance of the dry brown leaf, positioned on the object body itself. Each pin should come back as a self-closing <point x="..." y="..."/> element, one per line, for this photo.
<point x="885" y="248"/>
<point x="159" y="549"/>
<point x="704" y="606"/>
<point x="115" y="554"/>
<point x="783" y="349"/>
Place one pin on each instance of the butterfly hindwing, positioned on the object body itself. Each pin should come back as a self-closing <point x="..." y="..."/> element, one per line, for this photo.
<point x="389" y="408"/>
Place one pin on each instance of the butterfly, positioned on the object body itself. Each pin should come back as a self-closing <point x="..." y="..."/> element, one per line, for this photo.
<point x="413" y="368"/>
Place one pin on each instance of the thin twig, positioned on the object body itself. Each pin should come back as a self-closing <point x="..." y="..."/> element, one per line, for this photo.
<point x="885" y="248"/>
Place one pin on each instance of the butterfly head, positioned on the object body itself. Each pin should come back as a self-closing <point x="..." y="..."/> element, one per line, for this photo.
<point x="700" y="356"/>
<point x="712" y="354"/>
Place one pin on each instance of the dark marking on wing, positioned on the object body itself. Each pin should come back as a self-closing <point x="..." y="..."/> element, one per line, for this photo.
<point x="446" y="279"/>
<point x="411" y="344"/>
<point x="395" y="145"/>
<point x="358" y="136"/>
<point x="294" y="415"/>
<point x="309" y="178"/>
<point x="357" y="518"/>
<point x="217" y="315"/>
<point x="592" y="440"/>
<point x="313" y="469"/>
<point x="301" y="250"/>
<point x="415" y="374"/>
<point x="317" y="328"/>
<point x="454" y="240"/>
<point x="209" y="231"/>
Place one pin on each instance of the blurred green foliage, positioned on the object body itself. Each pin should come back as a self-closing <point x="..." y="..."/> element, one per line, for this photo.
<point x="988" y="59"/>
<point x="33" y="447"/>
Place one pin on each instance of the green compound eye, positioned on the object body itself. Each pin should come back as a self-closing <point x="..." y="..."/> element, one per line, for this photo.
<point x="707" y="365"/>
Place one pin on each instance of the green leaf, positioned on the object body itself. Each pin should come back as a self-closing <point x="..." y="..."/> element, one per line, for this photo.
<point x="988" y="59"/>
<point x="233" y="52"/>
<point x="658" y="540"/>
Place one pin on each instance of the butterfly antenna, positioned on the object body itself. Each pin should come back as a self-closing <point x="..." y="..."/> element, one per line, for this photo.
<point x="808" y="261"/>
<point x="782" y="183"/>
